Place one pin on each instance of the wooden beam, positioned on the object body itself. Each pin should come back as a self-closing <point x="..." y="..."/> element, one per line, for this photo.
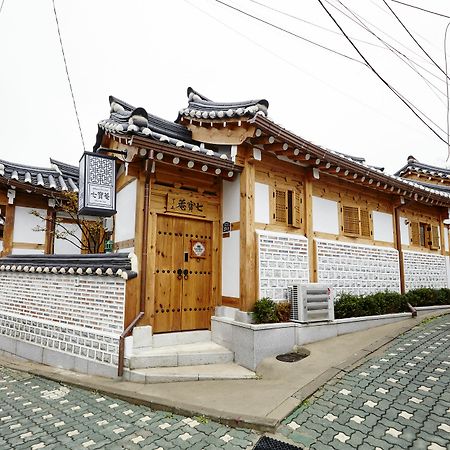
<point x="248" y="275"/>
<point x="263" y="140"/>
<point x="277" y="148"/>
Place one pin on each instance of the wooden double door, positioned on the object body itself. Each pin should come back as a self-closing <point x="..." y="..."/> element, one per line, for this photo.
<point x="183" y="278"/>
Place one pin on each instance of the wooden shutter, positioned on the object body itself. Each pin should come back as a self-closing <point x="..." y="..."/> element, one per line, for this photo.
<point x="296" y="209"/>
<point x="280" y="206"/>
<point x="350" y="220"/>
<point x="365" y="223"/>
<point x="414" y="233"/>
<point x="434" y="237"/>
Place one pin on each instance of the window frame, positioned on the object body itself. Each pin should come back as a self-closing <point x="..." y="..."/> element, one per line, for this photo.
<point x="360" y="210"/>
<point x="292" y="198"/>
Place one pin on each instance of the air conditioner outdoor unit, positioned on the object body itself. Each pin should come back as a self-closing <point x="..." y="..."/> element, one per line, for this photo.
<point x="311" y="302"/>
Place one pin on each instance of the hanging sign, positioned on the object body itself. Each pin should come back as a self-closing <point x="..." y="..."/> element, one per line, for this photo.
<point x="97" y="185"/>
<point x="226" y="229"/>
<point x="183" y="204"/>
<point x="198" y="249"/>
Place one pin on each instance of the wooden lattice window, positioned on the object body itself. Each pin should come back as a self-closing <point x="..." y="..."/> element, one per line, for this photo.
<point x="414" y="233"/>
<point x="424" y="235"/>
<point x="287" y="207"/>
<point x="356" y="221"/>
<point x="434" y="237"/>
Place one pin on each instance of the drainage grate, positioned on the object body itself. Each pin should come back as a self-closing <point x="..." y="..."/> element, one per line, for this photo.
<point x="291" y="357"/>
<point x="267" y="443"/>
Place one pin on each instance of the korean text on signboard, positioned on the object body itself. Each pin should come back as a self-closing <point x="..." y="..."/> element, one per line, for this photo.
<point x="183" y="204"/>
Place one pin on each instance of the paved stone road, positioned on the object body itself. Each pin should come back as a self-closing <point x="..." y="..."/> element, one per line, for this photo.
<point x="38" y="413"/>
<point x="398" y="400"/>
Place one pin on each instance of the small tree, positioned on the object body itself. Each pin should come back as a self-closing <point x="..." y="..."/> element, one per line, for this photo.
<point x="93" y="233"/>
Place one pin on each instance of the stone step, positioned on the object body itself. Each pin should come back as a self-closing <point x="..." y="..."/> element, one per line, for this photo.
<point x="229" y="371"/>
<point x="181" y="338"/>
<point x="199" y="353"/>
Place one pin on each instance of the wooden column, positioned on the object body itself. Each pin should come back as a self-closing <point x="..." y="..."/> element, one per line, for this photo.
<point x="398" y="246"/>
<point x="248" y="276"/>
<point x="8" y="230"/>
<point x="309" y="233"/>
<point x="442" y="230"/>
<point x="50" y="231"/>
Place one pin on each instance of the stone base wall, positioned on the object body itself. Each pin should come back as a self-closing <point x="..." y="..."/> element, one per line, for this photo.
<point x="283" y="261"/>
<point x="357" y="269"/>
<point x="77" y="316"/>
<point x="424" y="270"/>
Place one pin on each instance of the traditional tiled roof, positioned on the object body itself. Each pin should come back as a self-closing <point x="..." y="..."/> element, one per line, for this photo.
<point x="127" y="120"/>
<point x="64" y="179"/>
<point x="109" y="264"/>
<point x="202" y="108"/>
<point x="415" y="166"/>
<point x="335" y="163"/>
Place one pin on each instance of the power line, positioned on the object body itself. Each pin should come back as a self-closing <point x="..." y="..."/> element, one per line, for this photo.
<point x="410" y="63"/>
<point x="284" y="13"/>
<point x="296" y="67"/>
<point x="414" y="39"/>
<point x="68" y="76"/>
<point x="422" y="9"/>
<point x="1" y="6"/>
<point x="380" y="77"/>
<point x="288" y="32"/>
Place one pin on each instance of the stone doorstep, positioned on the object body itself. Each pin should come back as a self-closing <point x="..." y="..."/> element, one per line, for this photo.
<point x="200" y="353"/>
<point x="228" y="371"/>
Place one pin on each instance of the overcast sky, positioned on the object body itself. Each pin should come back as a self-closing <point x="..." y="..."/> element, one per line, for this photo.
<point x="147" y="53"/>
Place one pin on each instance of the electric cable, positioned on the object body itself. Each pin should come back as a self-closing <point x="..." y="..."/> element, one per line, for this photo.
<point x="290" y="63"/>
<point x="403" y="100"/>
<point x="68" y="76"/>
<point x="414" y="39"/>
<point x="284" y="13"/>
<point x="288" y="32"/>
<point x="410" y="63"/>
<point x="422" y="9"/>
<point x="1" y="6"/>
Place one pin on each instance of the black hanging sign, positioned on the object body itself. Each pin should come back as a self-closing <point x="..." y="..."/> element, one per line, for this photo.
<point x="97" y="185"/>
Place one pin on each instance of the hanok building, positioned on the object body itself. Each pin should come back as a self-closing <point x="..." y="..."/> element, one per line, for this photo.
<point x="24" y="190"/>
<point x="224" y="207"/>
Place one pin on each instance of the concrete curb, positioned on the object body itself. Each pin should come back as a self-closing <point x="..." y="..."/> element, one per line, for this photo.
<point x="132" y="392"/>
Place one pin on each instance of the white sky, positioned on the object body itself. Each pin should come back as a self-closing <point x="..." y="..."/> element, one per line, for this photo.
<point x="147" y="53"/>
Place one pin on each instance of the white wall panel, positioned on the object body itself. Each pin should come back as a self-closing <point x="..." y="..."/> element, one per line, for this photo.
<point x="125" y="219"/>
<point x="24" y="222"/>
<point x="325" y="216"/>
<point x="262" y="210"/>
<point x="383" y="226"/>
<point x="404" y="231"/>
<point x="231" y="200"/>
<point x="26" y="251"/>
<point x="230" y="265"/>
<point x="62" y="246"/>
<point x="446" y="239"/>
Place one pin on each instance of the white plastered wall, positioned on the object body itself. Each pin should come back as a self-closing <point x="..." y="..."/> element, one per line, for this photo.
<point x="231" y="212"/>
<point x="404" y="231"/>
<point x="383" y="226"/>
<point x="230" y="265"/>
<point x="72" y="244"/>
<point x="125" y="219"/>
<point x="262" y="198"/>
<point x="325" y="216"/>
<point x="24" y="223"/>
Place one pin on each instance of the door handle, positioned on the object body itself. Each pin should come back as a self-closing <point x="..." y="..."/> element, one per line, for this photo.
<point x="179" y="274"/>
<point x="185" y="273"/>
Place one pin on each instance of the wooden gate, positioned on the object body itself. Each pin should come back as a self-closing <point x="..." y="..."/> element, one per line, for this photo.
<point x="183" y="279"/>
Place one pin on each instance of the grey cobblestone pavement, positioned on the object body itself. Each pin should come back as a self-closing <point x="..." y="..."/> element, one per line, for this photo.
<point x="38" y="413"/>
<point x="399" y="400"/>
